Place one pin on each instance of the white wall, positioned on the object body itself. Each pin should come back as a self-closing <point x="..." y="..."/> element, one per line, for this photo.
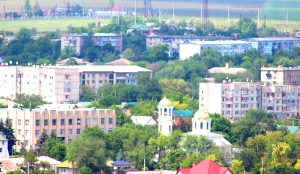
<point x="210" y="97"/>
<point x="187" y="50"/>
<point x="4" y="153"/>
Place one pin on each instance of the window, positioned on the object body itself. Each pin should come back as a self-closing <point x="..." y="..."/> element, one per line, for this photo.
<point x="4" y="141"/>
<point x="70" y="132"/>
<point x="67" y="77"/>
<point x="62" y="132"/>
<point x="110" y="120"/>
<point x="93" y="81"/>
<point x="77" y="131"/>
<point x="70" y="121"/>
<point x="37" y="122"/>
<point x="109" y="130"/>
<point x="26" y="132"/>
<point x="62" y="121"/>
<point x="102" y="120"/>
<point x="37" y="133"/>
<point x="236" y="99"/>
<point x="46" y="122"/>
<point x="236" y="106"/>
<point x="27" y="122"/>
<point x="0" y="149"/>
<point x="67" y="97"/>
<point x="100" y="81"/>
<point x="19" y="121"/>
<point x="78" y="121"/>
<point x="94" y="120"/>
<point x="53" y="122"/>
<point x="19" y="132"/>
<point x="201" y="125"/>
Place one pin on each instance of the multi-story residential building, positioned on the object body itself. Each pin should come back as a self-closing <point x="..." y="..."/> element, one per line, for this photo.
<point x="76" y="41"/>
<point x="54" y="84"/>
<point x="175" y="41"/>
<point x="115" y="40"/>
<point x="67" y="124"/>
<point x="96" y="76"/>
<point x="224" y="47"/>
<point x="269" y="46"/>
<point x="280" y="75"/>
<point x="230" y="99"/>
<point x="283" y="100"/>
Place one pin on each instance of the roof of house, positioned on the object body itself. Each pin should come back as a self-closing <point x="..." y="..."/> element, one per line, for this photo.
<point x="79" y="61"/>
<point x="65" y="164"/>
<point x="2" y="138"/>
<point x="112" y="68"/>
<point x="206" y="167"/>
<point x="51" y="161"/>
<point x="291" y="129"/>
<point x="219" y="70"/>
<point x="153" y="172"/>
<point x="143" y="120"/>
<point x="122" y="163"/>
<point x="8" y="165"/>
<point x="120" y="62"/>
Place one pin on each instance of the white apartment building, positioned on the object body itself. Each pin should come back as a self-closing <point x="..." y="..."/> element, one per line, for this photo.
<point x="230" y="99"/>
<point x="68" y="124"/>
<point x="280" y="75"/>
<point x="3" y="146"/>
<point x="54" y="84"/>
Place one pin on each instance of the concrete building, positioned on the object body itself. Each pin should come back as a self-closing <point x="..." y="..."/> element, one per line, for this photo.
<point x="174" y="41"/>
<point x="115" y="40"/>
<point x="230" y="99"/>
<point x="74" y="41"/>
<point x="96" y="76"/>
<point x="54" y="84"/>
<point x="165" y="112"/>
<point x="280" y="75"/>
<point x="269" y="46"/>
<point x="68" y="124"/>
<point x="283" y="100"/>
<point x="3" y="146"/>
<point x="187" y="50"/>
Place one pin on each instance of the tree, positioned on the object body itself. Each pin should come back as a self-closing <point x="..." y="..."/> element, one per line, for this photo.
<point x="41" y="141"/>
<point x="27" y="8"/>
<point x="159" y="52"/>
<point x="44" y="165"/>
<point x="67" y="52"/>
<point x="280" y="154"/>
<point x="15" y="172"/>
<point x="23" y="34"/>
<point x="194" y="143"/>
<point x="174" y="85"/>
<point x="237" y="167"/>
<point x="87" y="93"/>
<point x="129" y="54"/>
<point x="89" y="150"/>
<point x="174" y="159"/>
<point x="54" y="147"/>
<point x="249" y="158"/>
<point x="84" y="170"/>
<point x="145" y="108"/>
<point x="91" y="54"/>
<point x="9" y="132"/>
<point x="30" y="158"/>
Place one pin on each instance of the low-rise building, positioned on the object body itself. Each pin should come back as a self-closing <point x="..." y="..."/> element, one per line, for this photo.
<point x="74" y="41"/>
<point x="143" y="120"/>
<point x="115" y="40"/>
<point x="3" y="146"/>
<point x="226" y="70"/>
<point x="269" y="45"/>
<point x="280" y="75"/>
<point x="229" y="47"/>
<point x="97" y="76"/>
<point x="67" y="123"/>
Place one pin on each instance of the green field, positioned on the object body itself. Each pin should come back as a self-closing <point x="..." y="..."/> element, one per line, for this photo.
<point x="48" y="25"/>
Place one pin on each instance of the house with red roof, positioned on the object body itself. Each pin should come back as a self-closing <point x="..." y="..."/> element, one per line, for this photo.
<point x="205" y="167"/>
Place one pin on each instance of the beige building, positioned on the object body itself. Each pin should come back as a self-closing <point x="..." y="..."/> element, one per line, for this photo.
<point x="96" y="76"/>
<point x="74" y="41"/>
<point x="68" y="124"/>
<point x="230" y="99"/>
<point x="283" y="100"/>
<point x="280" y="75"/>
<point x="54" y="84"/>
<point x="226" y="70"/>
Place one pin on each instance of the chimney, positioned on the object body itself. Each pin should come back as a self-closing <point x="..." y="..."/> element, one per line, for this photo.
<point x="227" y="65"/>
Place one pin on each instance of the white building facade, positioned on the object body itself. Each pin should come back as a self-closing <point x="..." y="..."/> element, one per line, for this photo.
<point x="3" y="146"/>
<point x="165" y="111"/>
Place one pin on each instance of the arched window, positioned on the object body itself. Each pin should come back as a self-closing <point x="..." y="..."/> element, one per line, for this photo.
<point x="165" y="112"/>
<point x="195" y="125"/>
<point x="201" y="125"/>
<point x="207" y="125"/>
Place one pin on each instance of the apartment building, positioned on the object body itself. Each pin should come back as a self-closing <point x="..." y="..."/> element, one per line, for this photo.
<point x="280" y="75"/>
<point x="54" y="84"/>
<point x="224" y="47"/>
<point x="68" y="124"/>
<point x="115" y="40"/>
<point x="283" y="100"/>
<point x="230" y="99"/>
<point x="76" y="41"/>
<point x="174" y="41"/>
<point x="269" y="46"/>
<point x="96" y="76"/>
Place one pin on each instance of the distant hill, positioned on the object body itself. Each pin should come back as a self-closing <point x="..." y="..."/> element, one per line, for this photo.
<point x="274" y="9"/>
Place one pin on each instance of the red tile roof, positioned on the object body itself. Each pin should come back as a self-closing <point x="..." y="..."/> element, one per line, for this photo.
<point x="205" y="167"/>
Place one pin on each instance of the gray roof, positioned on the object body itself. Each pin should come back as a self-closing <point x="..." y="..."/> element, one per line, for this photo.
<point x="275" y="39"/>
<point x="112" y="68"/>
<point x="188" y="37"/>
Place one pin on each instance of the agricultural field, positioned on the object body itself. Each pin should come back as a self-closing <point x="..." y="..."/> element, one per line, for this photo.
<point x="278" y="9"/>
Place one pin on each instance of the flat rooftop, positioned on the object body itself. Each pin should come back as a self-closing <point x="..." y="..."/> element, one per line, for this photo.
<point x="275" y="39"/>
<point x="188" y="37"/>
<point x="219" y="42"/>
<point x="112" y="68"/>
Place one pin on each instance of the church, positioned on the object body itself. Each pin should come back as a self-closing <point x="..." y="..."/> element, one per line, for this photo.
<point x="201" y="125"/>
